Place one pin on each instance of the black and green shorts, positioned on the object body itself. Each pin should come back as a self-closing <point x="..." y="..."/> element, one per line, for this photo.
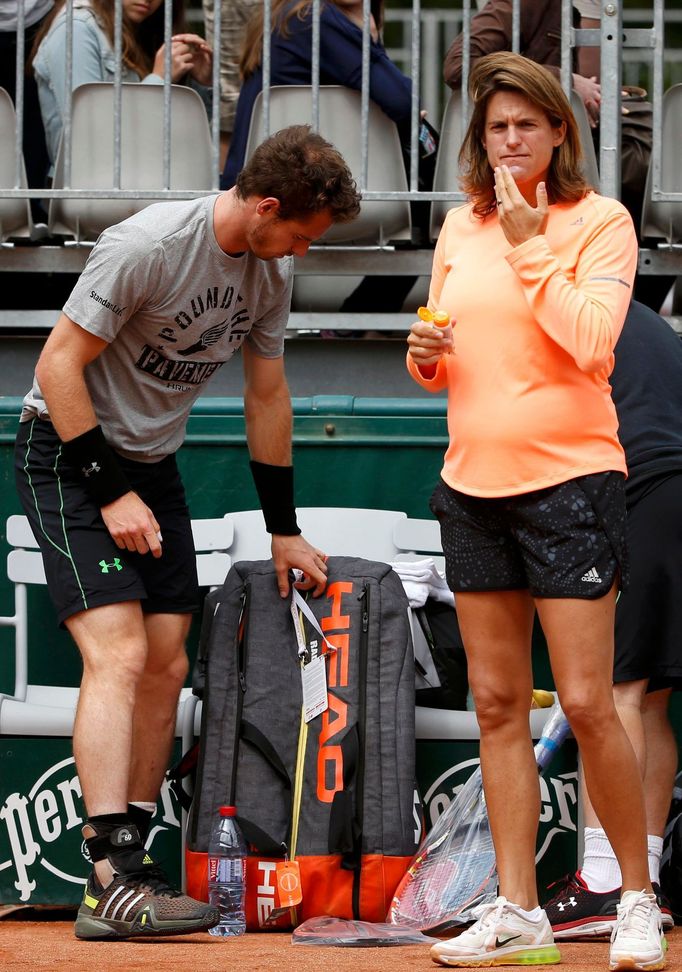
<point x="83" y="565"/>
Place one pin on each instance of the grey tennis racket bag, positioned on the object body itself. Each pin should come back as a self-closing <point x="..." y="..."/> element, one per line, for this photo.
<point x="332" y="790"/>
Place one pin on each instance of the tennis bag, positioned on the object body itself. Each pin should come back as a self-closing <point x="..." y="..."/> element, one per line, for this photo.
<point x="336" y="794"/>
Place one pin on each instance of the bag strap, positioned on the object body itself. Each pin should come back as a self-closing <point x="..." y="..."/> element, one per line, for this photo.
<point x="258" y="838"/>
<point x="251" y="734"/>
<point x="185" y="766"/>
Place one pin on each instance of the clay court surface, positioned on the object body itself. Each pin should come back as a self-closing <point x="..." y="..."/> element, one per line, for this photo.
<point x="49" y="944"/>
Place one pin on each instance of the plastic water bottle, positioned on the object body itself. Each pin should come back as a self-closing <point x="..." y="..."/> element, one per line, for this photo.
<point x="226" y="873"/>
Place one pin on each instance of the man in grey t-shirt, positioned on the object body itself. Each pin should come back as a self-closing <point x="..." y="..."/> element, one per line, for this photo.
<point x="165" y="299"/>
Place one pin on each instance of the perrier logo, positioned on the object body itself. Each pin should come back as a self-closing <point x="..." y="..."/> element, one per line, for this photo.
<point x="107" y="567"/>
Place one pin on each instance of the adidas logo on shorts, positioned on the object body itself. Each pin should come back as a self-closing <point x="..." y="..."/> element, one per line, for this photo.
<point x="592" y="577"/>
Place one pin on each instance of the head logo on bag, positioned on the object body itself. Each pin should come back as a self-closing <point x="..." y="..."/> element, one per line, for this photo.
<point x="335" y="719"/>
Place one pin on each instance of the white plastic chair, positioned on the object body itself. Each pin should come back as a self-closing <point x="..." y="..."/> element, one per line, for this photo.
<point x="142" y="153"/>
<point x="445" y="177"/>
<point x="339" y="531"/>
<point x="15" y="214"/>
<point x="378" y="221"/>
<point x="590" y="166"/>
<point x="49" y="710"/>
<point x="664" y="219"/>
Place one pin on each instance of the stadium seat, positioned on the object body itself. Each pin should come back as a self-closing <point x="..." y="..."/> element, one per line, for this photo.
<point x="142" y="153"/>
<point x="663" y="220"/>
<point x="445" y="177"/>
<point x="340" y="109"/>
<point x="15" y="214"/>
<point x="589" y="166"/>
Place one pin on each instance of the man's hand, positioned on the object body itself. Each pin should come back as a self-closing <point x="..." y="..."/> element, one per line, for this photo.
<point x="519" y="220"/>
<point x="295" y="551"/>
<point x="132" y="525"/>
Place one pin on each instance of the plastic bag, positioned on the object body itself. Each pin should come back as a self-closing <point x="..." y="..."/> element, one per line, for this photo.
<point x="356" y="934"/>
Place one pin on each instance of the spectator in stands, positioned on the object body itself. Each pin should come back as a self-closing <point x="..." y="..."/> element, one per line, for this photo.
<point x="166" y="298"/>
<point x="535" y="273"/>
<point x="93" y="52"/>
<point x="33" y="136"/>
<point x="636" y="142"/>
<point x="540" y="40"/>
<point x="235" y="15"/>
<point x="340" y="63"/>
<point x="646" y="386"/>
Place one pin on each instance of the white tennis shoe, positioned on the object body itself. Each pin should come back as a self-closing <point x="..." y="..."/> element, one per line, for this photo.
<point x="637" y="940"/>
<point x="501" y="935"/>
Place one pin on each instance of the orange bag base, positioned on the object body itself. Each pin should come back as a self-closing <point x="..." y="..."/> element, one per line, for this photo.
<point x="327" y="888"/>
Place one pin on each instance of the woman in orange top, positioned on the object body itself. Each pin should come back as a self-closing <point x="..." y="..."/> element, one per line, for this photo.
<point x="536" y="275"/>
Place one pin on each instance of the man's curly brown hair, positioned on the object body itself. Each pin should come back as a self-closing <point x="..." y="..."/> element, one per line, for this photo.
<point x="304" y="172"/>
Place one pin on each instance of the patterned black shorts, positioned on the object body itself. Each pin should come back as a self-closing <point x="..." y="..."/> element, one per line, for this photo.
<point x="566" y="540"/>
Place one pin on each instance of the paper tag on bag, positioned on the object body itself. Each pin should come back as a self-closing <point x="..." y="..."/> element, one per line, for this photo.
<point x="314" y="683"/>
<point x="289" y="884"/>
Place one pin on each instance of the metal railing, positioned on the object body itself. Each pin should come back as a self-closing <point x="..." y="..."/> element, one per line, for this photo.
<point x="426" y="35"/>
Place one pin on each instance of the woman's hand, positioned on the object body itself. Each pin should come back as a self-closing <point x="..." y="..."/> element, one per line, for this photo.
<point x="519" y="220"/>
<point x="202" y="58"/>
<point x="190" y="54"/>
<point x="427" y="344"/>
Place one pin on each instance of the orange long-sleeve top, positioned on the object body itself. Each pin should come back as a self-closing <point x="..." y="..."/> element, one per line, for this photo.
<point x="529" y="402"/>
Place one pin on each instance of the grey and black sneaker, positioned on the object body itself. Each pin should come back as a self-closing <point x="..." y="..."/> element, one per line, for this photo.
<point x="140" y="903"/>
<point x="138" y="900"/>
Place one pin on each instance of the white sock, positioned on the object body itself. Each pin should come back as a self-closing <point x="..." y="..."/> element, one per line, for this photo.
<point x="600" y="870"/>
<point x="149" y="807"/>
<point x="655" y="847"/>
<point x="534" y="915"/>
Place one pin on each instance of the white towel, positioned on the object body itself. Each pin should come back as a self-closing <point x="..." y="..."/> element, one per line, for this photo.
<point x="422" y="579"/>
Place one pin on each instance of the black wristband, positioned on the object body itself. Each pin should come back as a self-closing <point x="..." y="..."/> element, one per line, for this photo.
<point x="97" y="466"/>
<point x="275" y="488"/>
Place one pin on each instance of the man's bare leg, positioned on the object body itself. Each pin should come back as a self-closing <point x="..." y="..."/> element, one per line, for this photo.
<point x="113" y="646"/>
<point x="156" y="703"/>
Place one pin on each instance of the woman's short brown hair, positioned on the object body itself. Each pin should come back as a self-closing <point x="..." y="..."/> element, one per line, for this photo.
<point x="305" y="172"/>
<point x="505" y="71"/>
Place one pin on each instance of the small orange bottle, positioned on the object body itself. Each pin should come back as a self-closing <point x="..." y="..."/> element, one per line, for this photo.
<point x="438" y="318"/>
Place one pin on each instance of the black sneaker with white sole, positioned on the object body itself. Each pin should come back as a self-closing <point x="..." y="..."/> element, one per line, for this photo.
<point x="576" y="912"/>
<point x="667" y="920"/>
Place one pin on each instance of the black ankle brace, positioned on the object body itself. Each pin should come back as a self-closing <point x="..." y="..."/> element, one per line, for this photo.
<point x="112" y="842"/>
<point x="142" y="820"/>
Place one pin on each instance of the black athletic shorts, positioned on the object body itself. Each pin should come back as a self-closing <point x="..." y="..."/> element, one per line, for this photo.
<point x="649" y="614"/>
<point x="83" y="565"/>
<point x="566" y="540"/>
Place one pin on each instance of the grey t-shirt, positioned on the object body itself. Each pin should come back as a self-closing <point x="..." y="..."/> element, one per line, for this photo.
<point x="173" y="307"/>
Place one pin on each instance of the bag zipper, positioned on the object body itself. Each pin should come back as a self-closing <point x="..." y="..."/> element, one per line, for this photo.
<point x="362" y="717"/>
<point x="241" y="646"/>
